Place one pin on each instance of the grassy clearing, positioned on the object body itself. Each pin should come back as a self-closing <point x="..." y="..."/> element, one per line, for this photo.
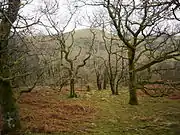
<point x="100" y="113"/>
<point x="151" y="117"/>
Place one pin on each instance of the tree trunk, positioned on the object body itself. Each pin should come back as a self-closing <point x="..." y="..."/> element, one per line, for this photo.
<point x="112" y="87"/>
<point x="72" y="90"/>
<point x="132" y="89"/>
<point x="99" y="81"/>
<point x="88" y="88"/>
<point x="105" y="79"/>
<point x="116" y="90"/>
<point x="132" y="80"/>
<point x="9" y="111"/>
<point x="105" y="84"/>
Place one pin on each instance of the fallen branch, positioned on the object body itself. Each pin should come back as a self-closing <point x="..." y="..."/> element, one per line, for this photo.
<point x="32" y="87"/>
<point x="158" y="88"/>
<point x="13" y="77"/>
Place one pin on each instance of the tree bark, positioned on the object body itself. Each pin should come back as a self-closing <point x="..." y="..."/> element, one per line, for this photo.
<point x="132" y="89"/>
<point x="72" y="91"/>
<point x="105" y="79"/>
<point x="99" y="81"/>
<point x="11" y="121"/>
<point x="116" y="90"/>
<point x="112" y="87"/>
<point x="132" y="80"/>
<point x="9" y="111"/>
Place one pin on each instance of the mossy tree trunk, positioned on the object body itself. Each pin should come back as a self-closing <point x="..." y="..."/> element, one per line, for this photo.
<point x="11" y="121"/>
<point x="9" y="111"/>
<point x="132" y="80"/>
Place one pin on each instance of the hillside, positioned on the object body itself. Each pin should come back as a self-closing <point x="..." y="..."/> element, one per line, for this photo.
<point x="46" y="51"/>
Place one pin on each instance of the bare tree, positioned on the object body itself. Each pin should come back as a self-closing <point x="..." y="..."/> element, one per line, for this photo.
<point x="99" y="68"/>
<point x="143" y="29"/>
<point x="72" y="68"/>
<point x="115" y="64"/>
<point x="72" y="56"/>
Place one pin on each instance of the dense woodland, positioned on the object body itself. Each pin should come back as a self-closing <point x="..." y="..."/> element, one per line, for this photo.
<point x="127" y="46"/>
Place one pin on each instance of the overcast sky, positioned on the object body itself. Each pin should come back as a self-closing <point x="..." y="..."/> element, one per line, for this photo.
<point x="32" y="11"/>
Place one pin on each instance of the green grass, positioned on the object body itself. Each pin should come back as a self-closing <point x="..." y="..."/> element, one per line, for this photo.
<point x="153" y="116"/>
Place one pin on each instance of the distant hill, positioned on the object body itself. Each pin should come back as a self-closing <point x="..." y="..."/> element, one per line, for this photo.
<point x="45" y="50"/>
<point x="49" y="45"/>
<point x="87" y="33"/>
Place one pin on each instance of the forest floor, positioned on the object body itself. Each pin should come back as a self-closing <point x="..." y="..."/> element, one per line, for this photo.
<point x="48" y="112"/>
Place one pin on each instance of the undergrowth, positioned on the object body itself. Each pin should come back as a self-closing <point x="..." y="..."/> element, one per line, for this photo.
<point x="98" y="113"/>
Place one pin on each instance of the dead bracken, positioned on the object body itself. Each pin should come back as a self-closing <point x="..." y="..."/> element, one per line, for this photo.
<point x="41" y="111"/>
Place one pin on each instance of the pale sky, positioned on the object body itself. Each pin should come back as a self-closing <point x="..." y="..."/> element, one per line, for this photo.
<point x="32" y="11"/>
